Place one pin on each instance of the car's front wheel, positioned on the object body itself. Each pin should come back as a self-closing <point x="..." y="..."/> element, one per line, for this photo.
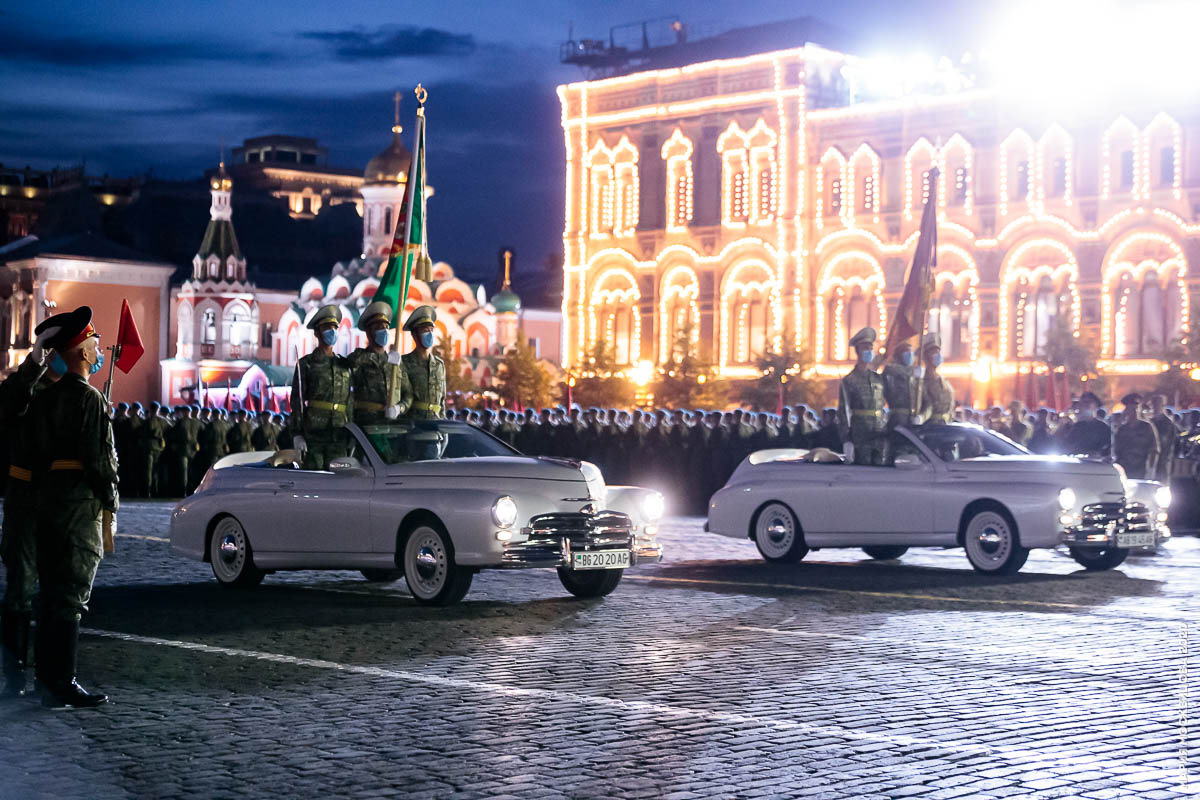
<point x="777" y="534"/>
<point x="591" y="582"/>
<point x="991" y="541"/>
<point x="429" y="569"/>
<point x="1097" y="559"/>
<point x="885" y="552"/>
<point x="231" y="555"/>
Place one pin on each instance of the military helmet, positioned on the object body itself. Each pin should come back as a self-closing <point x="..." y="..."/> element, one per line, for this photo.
<point x="329" y="313"/>
<point x="380" y="309"/>
<point x="866" y="336"/>
<point x="421" y="315"/>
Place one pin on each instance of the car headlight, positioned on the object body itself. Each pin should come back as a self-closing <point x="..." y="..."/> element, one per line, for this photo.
<point x="1162" y="496"/>
<point x="504" y="511"/>
<point x="1066" y="498"/>
<point x="653" y="506"/>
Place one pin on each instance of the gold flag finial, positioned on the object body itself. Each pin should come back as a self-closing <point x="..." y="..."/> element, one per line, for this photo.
<point x="421" y="94"/>
<point x="507" y="267"/>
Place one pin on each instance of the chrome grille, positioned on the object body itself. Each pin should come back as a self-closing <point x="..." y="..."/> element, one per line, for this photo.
<point x="551" y="536"/>
<point x="1120" y="517"/>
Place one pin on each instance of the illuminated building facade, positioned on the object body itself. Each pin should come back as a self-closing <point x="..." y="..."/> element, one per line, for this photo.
<point x="758" y="204"/>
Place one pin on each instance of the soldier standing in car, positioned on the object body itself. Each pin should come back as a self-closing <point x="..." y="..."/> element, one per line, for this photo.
<point x="937" y="395"/>
<point x="898" y="388"/>
<point x="860" y="402"/>
<point x="321" y="402"/>
<point x="369" y="369"/>
<point x="426" y="372"/>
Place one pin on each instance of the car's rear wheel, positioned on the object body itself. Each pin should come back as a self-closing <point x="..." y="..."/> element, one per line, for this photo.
<point x="1097" y="559"/>
<point x="992" y="544"/>
<point x="429" y="569"/>
<point x="382" y="575"/>
<point x="591" y="582"/>
<point x="777" y="534"/>
<point x="885" y="552"/>
<point x="231" y="555"/>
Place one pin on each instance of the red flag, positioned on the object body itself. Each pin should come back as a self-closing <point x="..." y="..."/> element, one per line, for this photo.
<point x="274" y="400"/>
<point x="909" y="320"/>
<point x="129" y="341"/>
<point x="228" y="397"/>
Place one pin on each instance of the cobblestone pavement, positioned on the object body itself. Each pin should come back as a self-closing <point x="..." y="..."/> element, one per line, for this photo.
<point x="713" y="674"/>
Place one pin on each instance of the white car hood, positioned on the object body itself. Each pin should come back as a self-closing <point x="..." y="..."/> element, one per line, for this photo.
<point x="1062" y="465"/>
<point x="510" y="467"/>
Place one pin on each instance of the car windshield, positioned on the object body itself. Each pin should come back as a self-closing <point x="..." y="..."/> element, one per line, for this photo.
<point x="963" y="442"/>
<point x="424" y="440"/>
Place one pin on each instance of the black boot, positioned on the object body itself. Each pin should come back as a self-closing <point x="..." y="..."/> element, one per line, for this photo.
<point x="14" y="661"/>
<point x="59" y="688"/>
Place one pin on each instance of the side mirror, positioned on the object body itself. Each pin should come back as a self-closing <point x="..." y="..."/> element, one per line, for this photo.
<point x="908" y="462"/>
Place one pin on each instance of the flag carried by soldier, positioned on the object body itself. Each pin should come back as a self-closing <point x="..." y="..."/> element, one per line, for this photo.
<point x="410" y="250"/>
<point x="909" y="320"/>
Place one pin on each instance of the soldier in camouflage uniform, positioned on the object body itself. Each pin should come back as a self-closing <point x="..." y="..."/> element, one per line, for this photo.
<point x="240" y="437"/>
<point x="212" y="438"/>
<point x="860" y="402"/>
<point x="266" y="435"/>
<point x="369" y="369"/>
<point x="899" y="388"/>
<point x="321" y="401"/>
<point x="152" y="440"/>
<point x="18" y="547"/>
<point x="937" y="395"/>
<point x="183" y="442"/>
<point x="426" y="372"/>
<point x="76" y="476"/>
<point x="1168" y="437"/>
<point x="1135" y="442"/>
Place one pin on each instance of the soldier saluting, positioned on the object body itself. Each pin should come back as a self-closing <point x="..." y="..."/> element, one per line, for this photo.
<point x="76" y="481"/>
<point x="321" y="395"/>
<point x="369" y="370"/>
<point x="860" y="402"/>
<point x="426" y="372"/>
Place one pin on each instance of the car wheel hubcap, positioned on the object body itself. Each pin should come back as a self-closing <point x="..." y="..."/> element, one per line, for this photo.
<point x="775" y="532"/>
<point x="428" y="563"/>
<point x="989" y="541"/>
<point x="229" y="550"/>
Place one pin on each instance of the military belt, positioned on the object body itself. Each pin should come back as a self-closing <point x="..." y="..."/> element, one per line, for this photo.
<point x="326" y="406"/>
<point x="421" y="406"/>
<point x="65" y="464"/>
<point x="20" y="473"/>
<point x="867" y="412"/>
<point x="368" y="406"/>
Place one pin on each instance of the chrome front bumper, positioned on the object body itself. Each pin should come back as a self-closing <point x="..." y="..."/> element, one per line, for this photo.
<point x="550" y="539"/>
<point x="1100" y="524"/>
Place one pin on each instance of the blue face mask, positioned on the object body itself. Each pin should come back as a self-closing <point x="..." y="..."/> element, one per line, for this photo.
<point x="427" y="339"/>
<point x="381" y="337"/>
<point x="936" y="359"/>
<point x="867" y="356"/>
<point x="57" y="365"/>
<point x="94" y="368"/>
<point x="329" y="336"/>
<point x="906" y="358"/>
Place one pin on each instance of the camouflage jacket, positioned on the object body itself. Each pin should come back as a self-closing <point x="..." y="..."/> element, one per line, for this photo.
<point x="1135" y="448"/>
<point x="183" y="438"/>
<point x="369" y="383"/>
<point x="152" y="434"/>
<point x="17" y="392"/>
<point x="428" y="382"/>
<point x="212" y="438"/>
<point x="937" y="399"/>
<point x="899" y="388"/>
<point x="240" y="438"/>
<point x="73" y="434"/>
<point x="320" y="393"/>
<point x="266" y="437"/>
<point x="860" y="401"/>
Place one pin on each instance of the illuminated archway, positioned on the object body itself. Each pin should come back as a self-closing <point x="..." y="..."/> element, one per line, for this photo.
<point x="748" y="298"/>
<point x="1144" y="299"/>
<point x="678" y="311"/>
<point x="1038" y="289"/>
<point x="613" y="316"/>
<point x="849" y="297"/>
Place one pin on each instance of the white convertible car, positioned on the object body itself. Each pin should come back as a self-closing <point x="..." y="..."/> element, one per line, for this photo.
<point x="432" y="502"/>
<point x="946" y="486"/>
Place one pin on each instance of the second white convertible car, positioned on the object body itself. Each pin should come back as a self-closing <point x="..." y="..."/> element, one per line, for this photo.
<point x="946" y="486"/>
<point x="432" y="502"/>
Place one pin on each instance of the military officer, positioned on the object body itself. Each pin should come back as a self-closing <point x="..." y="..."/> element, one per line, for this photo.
<point x="899" y="389"/>
<point x="1135" y="442"/>
<point x="860" y="402"/>
<point x="426" y="372"/>
<point x="77" y="469"/>
<point x="18" y="547"/>
<point x="321" y="402"/>
<point x="937" y="395"/>
<point x="369" y="369"/>
<point x="152" y="440"/>
<point x="1168" y="437"/>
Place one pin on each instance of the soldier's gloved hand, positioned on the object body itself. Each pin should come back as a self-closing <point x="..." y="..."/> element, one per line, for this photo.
<point x="38" y="351"/>
<point x="916" y="419"/>
<point x="392" y="412"/>
<point x="919" y="371"/>
<point x="393" y="357"/>
<point x="298" y="443"/>
<point x="848" y="451"/>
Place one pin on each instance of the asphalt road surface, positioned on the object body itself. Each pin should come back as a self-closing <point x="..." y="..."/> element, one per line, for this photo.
<point x="713" y="674"/>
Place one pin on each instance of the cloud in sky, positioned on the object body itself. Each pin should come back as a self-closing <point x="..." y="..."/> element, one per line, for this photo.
<point x="393" y="41"/>
<point x="100" y="50"/>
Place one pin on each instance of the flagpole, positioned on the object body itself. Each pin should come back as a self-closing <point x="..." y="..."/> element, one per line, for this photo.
<point x="411" y="197"/>
<point x="115" y="353"/>
<point x="934" y="173"/>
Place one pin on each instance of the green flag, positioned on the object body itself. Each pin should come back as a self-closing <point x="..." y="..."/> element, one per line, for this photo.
<point x="409" y="249"/>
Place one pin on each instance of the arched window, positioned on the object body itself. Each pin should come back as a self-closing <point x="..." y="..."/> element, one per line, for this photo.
<point x="1162" y="145"/>
<point x="387" y="219"/>
<point x="679" y="314"/>
<point x="677" y="152"/>
<point x="1038" y="296"/>
<point x="1145" y="305"/>
<point x="850" y="297"/>
<point x="831" y="176"/>
<point x="615" y="319"/>
<point x="918" y="161"/>
<point x="735" y="177"/>
<point x="1017" y="152"/>
<point x="1118" y="159"/>
<point x="1055" y="153"/>
<point x="955" y="185"/>
<point x="835" y="197"/>
<point x="626" y="189"/>
<point x="1040" y="302"/>
<point x="863" y="172"/>
<point x="208" y="327"/>
<point x="953" y="317"/>
<point x="747" y="325"/>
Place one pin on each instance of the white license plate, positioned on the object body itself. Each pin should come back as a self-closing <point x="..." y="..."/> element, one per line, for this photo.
<point x="601" y="559"/>
<point x="1135" y="540"/>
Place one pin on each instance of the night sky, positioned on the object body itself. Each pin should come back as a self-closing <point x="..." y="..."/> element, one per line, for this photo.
<point x="136" y="86"/>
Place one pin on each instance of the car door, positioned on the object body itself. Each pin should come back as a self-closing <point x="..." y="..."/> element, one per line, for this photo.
<point x="326" y="512"/>
<point x="890" y="504"/>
